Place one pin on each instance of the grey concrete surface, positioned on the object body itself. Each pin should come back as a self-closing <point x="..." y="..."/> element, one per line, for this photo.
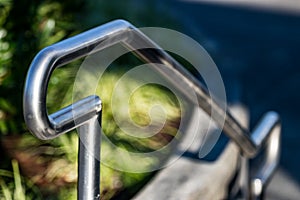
<point x="193" y="179"/>
<point x="283" y="187"/>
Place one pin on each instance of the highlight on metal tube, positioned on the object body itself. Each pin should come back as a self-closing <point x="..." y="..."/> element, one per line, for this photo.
<point x="267" y="137"/>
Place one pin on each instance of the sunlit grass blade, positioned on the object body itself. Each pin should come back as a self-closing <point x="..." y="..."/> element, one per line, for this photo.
<point x="19" y="193"/>
<point x="5" y="190"/>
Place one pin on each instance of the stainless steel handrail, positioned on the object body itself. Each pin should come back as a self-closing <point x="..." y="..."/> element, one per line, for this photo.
<point x="99" y="38"/>
<point x="120" y="31"/>
<point x="269" y="129"/>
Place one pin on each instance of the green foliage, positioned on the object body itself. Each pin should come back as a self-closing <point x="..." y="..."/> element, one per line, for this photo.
<point x="25" y="28"/>
<point x="28" y="26"/>
<point x="14" y="186"/>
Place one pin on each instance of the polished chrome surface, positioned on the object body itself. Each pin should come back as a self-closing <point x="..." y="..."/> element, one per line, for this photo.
<point x="89" y="159"/>
<point x="118" y="31"/>
<point x="82" y="113"/>
<point x="267" y="135"/>
<point x="75" y="115"/>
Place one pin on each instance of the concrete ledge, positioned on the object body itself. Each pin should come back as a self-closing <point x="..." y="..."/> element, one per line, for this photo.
<point x="191" y="179"/>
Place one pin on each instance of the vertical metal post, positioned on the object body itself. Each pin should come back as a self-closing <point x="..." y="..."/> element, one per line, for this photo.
<point x="89" y="159"/>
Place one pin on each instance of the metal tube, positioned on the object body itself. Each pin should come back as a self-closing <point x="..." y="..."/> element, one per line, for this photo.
<point x="70" y="117"/>
<point x="174" y="71"/>
<point x="118" y="31"/>
<point x="89" y="160"/>
<point x="270" y="128"/>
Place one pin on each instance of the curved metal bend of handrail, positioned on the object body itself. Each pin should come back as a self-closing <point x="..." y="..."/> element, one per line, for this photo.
<point x="267" y="133"/>
<point x="118" y="31"/>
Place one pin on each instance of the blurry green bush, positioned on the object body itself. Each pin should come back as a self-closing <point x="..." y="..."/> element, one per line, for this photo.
<point x="25" y="28"/>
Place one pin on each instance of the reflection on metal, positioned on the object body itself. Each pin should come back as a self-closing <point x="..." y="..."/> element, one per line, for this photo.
<point x="89" y="161"/>
<point x="85" y="113"/>
<point x="267" y="135"/>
